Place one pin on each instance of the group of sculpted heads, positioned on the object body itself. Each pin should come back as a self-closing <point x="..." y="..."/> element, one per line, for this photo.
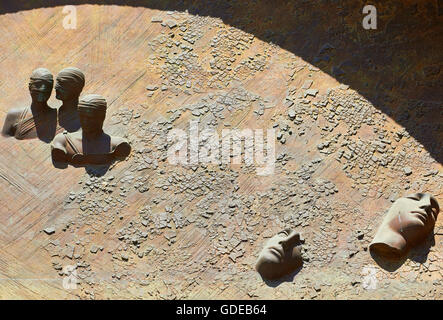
<point x="83" y="141"/>
<point x="408" y="222"/>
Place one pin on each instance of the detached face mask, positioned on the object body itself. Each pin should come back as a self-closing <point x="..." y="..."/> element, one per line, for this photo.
<point x="408" y="222"/>
<point x="280" y="256"/>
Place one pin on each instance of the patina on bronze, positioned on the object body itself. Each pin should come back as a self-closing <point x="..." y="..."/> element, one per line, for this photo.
<point x="408" y="222"/>
<point x="69" y="85"/>
<point x="280" y="256"/>
<point x="38" y="120"/>
<point x="90" y="145"/>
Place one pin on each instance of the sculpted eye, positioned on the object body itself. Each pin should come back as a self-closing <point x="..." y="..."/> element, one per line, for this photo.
<point x="415" y="197"/>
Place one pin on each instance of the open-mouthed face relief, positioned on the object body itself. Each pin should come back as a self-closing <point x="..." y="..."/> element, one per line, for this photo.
<point x="281" y="255"/>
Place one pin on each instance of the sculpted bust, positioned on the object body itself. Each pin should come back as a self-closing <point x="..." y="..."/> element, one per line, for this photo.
<point x="38" y="120"/>
<point x="280" y="256"/>
<point x="408" y="222"/>
<point x="69" y="84"/>
<point x="90" y="145"/>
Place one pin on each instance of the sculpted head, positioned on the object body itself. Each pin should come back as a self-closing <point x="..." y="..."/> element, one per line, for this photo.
<point x="280" y="256"/>
<point x="69" y="84"/>
<point x="92" y="112"/>
<point x="40" y="85"/>
<point x="408" y="222"/>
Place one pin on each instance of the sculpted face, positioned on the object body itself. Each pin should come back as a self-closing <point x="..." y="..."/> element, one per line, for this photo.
<point x="69" y="84"/>
<point x="408" y="222"/>
<point x="64" y="90"/>
<point x="40" y="90"/>
<point x="40" y="85"/>
<point x="92" y="112"/>
<point x="91" y="120"/>
<point x="280" y="256"/>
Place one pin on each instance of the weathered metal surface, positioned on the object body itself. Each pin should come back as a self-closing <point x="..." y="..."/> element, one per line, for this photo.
<point x="148" y="229"/>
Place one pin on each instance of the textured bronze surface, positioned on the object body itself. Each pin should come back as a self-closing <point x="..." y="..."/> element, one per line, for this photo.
<point x="357" y="115"/>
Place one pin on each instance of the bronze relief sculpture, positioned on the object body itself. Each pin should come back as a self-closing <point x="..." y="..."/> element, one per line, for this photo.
<point x="408" y="222"/>
<point x="38" y="120"/>
<point x="90" y="145"/>
<point x="280" y="256"/>
<point x="69" y="85"/>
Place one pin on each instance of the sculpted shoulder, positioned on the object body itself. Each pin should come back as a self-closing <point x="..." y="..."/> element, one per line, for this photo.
<point x="11" y="118"/>
<point x="59" y="140"/>
<point x="16" y="111"/>
<point x="120" y="147"/>
<point x="58" y="148"/>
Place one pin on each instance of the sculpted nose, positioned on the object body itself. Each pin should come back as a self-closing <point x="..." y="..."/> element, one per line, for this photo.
<point x="292" y="239"/>
<point x="425" y="202"/>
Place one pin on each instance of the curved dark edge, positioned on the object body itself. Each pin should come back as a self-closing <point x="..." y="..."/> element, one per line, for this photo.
<point x="396" y="67"/>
